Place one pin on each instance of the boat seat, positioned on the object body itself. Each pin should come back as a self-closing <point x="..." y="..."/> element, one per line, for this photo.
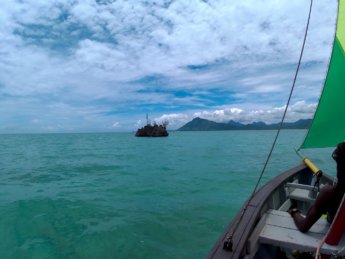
<point x="300" y="192"/>
<point x="280" y="230"/>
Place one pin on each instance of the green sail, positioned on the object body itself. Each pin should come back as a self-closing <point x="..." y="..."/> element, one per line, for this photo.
<point x="328" y="126"/>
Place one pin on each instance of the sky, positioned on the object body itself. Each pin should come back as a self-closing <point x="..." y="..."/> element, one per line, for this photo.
<point x="102" y="65"/>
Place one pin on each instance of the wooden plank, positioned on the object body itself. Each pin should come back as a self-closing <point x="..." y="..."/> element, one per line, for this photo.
<point x="280" y="230"/>
<point x="284" y="220"/>
<point x="300" y="186"/>
<point x="253" y="244"/>
<point x="286" y="205"/>
<point x="289" y="238"/>
<point x="301" y="195"/>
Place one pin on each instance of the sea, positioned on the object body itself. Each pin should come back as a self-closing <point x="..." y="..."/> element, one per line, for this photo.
<point x="113" y="195"/>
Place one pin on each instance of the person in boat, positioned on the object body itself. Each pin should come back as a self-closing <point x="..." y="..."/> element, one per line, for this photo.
<point x="329" y="198"/>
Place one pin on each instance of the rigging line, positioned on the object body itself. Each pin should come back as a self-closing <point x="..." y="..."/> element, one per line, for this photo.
<point x="288" y="102"/>
<point x="280" y="125"/>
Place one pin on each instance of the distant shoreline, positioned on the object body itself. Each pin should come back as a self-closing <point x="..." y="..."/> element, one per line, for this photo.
<point x="198" y="124"/>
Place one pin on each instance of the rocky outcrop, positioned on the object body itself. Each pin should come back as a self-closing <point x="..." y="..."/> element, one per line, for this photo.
<point x="152" y="131"/>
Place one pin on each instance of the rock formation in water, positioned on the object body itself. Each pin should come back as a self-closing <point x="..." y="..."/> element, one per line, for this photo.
<point x="152" y="131"/>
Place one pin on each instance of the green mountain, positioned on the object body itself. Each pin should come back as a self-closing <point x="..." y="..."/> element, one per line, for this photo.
<point x="198" y="124"/>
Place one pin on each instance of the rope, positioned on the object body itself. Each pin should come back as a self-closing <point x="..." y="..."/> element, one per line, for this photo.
<point x="317" y="254"/>
<point x="280" y="125"/>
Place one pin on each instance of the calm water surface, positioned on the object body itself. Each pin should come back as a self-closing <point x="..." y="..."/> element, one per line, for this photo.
<point x="117" y="196"/>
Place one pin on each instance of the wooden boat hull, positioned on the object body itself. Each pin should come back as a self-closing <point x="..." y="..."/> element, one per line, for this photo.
<point x="272" y="195"/>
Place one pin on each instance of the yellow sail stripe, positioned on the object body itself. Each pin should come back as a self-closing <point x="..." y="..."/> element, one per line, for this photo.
<point x="341" y="24"/>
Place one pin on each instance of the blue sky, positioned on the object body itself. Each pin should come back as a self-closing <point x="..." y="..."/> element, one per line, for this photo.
<point x="101" y="65"/>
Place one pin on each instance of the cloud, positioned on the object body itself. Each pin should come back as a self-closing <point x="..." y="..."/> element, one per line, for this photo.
<point x="298" y="110"/>
<point x="92" y="59"/>
<point x="115" y="125"/>
<point x="174" y="120"/>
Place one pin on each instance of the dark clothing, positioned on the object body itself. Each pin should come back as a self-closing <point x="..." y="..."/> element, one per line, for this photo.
<point x="332" y="204"/>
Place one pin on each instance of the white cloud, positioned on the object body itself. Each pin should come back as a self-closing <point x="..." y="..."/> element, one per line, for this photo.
<point x="174" y="120"/>
<point x="116" y="125"/>
<point x="139" y="123"/>
<point x="298" y="110"/>
<point x="90" y="60"/>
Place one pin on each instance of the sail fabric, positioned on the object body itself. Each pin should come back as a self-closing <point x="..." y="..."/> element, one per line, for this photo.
<point x="328" y="126"/>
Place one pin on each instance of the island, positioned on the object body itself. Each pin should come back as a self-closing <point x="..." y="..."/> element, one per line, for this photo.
<point x="199" y="124"/>
<point x="154" y="130"/>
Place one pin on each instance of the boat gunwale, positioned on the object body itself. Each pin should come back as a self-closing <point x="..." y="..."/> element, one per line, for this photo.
<point x="251" y="216"/>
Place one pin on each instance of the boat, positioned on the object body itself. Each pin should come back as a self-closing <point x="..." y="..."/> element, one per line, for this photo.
<point x="263" y="228"/>
<point x="155" y="130"/>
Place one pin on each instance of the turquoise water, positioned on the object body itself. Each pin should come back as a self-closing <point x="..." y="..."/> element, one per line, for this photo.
<point x="113" y="195"/>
